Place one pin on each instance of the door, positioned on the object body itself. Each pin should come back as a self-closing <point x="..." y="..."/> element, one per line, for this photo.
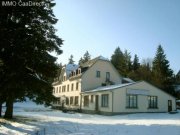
<point x="169" y="105"/>
<point x="96" y="103"/>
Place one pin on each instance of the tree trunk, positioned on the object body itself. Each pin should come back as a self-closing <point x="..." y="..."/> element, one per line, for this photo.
<point x="9" y="108"/>
<point x="0" y="109"/>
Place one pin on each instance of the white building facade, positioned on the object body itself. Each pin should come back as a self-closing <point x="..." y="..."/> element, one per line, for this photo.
<point x="96" y="87"/>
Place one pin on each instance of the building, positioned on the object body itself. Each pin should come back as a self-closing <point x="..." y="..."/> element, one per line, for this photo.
<point x="75" y="79"/>
<point x="127" y="98"/>
<point x="97" y="87"/>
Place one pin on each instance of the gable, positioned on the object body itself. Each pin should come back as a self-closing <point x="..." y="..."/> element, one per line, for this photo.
<point x="143" y="85"/>
<point x="89" y="79"/>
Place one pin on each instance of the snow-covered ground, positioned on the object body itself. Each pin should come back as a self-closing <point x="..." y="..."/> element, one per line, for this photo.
<point x="32" y="119"/>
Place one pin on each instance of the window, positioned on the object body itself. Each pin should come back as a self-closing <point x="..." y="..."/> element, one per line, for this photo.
<point x="72" y="87"/>
<point x="71" y="100"/>
<point x="131" y="101"/>
<point x="91" y="98"/>
<point x="107" y="76"/>
<point x="56" y="89"/>
<point x="77" y="84"/>
<point x="152" y="101"/>
<point x="67" y="87"/>
<point x="59" y="89"/>
<point x="104" y="100"/>
<point x="63" y="88"/>
<point x="76" y="100"/>
<point x="67" y="101"/>
<point x="86" y="100"/>
<point x="98" y="74"/>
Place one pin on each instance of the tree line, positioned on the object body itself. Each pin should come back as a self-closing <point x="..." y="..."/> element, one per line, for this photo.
<point x="156" y="71"/>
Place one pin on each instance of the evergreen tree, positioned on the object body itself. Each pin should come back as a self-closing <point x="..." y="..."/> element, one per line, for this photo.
<point x="162" y="74"/>
<point x="71" y="61"/>
<point x="80" y="61"/>
<point x="127" y="61"/>
<point x="135" y="72"/>
<point x="118" y="60"/>
<point x="57" y="78"/>
<point x="145" y="72"/>
<point x="2" y="97"/>
<point x="27" y="37"/>
<point x="142" y="73"/>
<point x="136" y="63"/>
<point x="177" y="82"/>
<point x="178" y="78"/>
<point x="86" y="57"/>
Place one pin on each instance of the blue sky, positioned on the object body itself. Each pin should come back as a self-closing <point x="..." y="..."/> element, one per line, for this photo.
<point x="99" y="26"/>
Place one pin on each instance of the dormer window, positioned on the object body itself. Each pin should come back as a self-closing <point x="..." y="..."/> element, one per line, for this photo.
<point x="79" y="71"/>
<point x="64" y="78"/>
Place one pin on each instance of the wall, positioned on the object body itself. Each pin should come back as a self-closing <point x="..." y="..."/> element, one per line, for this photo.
<point x="69" y="93"/>
<point x="89" y="79"/>
<point x="120" y="99"/>
<point x="91" y="106"/>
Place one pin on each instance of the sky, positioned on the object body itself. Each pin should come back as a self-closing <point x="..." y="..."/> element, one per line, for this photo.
<point x="100" y="26"/>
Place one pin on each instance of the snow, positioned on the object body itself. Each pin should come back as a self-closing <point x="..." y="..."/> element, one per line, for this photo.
<point x="128" y="80"/>
<point x="110" y="87"/>
<point x="70" y="68"/>
<point x="103" y="58"/>
<point x="32" y="119"/>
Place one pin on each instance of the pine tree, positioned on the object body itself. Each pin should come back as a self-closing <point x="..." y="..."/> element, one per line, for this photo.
<point x="118" y="60"/>
<point x="162" y="74"/>
<point x="80" y="61"/>
<point x="71" y="61"/>
<point x="142" y="73"/>
<point x="27" y="37"/>
<point x="136" y="63"/>
<point x="128" y="63"/>
<point x="178" y="78"/>
<point x="86" y="57"/>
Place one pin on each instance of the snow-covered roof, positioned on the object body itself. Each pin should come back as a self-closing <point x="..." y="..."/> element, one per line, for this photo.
<point x="91" y="62"/>
<point x="178" y="101"/>
<point x="128" y="80"/>
<point x="70" y="68"/>
<point x="109" y="87"/>
<point x="103" y="58"/>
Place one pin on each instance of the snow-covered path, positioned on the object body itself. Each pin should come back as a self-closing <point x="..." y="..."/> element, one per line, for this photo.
<point x="37" y="118"/>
